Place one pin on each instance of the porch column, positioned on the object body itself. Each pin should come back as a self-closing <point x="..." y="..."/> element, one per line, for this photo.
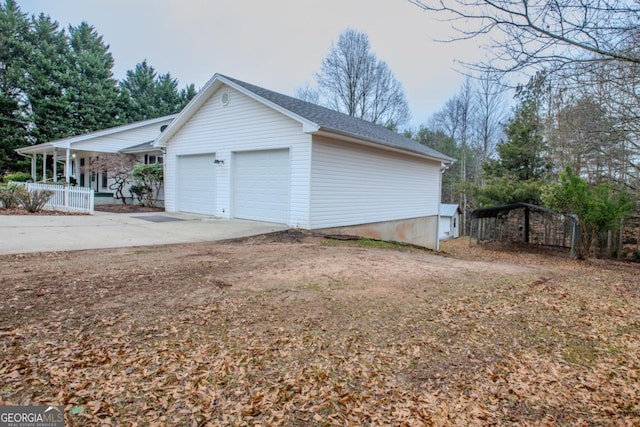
<point x="44" y="167"/>
<point x="55" y="165"/>
<point x="34" y="161"/>
<point x="67" y="166"/>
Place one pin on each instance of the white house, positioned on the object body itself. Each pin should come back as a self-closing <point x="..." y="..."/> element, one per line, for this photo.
<point x="242" y="151"/>
<point x="449" y="227"/>
<point x="69" y="156"/>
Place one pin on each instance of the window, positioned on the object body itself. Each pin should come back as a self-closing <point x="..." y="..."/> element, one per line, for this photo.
<point x="152" y="159"/>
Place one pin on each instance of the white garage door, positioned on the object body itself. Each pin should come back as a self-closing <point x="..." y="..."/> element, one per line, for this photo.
<point x="261" y="185"/>
<point x="196" y="184"/>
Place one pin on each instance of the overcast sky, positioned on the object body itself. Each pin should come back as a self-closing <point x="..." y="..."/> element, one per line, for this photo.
<point x="276" y="44"/>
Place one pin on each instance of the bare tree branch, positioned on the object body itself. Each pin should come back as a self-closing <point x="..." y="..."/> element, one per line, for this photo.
<point x="354" y="81"/>
<point x="544" y="34"/>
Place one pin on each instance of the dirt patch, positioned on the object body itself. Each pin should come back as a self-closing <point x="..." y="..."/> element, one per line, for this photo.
<point x="20" y="211"/>
<point x="130" y="208"/>
<point x="292" y="329"/>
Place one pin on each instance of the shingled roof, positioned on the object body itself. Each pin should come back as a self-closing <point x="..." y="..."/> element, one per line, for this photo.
<point x="339" y="123"/>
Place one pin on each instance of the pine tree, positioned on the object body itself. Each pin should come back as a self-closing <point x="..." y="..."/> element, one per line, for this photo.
<point x="93" y="98"/>
<point x="517" y="175"/>
<point x="47" y="82"/>
<point x="14" y="28"/>
<point x="146" y="95"/>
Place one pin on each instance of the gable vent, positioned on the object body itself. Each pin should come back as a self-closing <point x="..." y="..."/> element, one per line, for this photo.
<point x="225" y="98"/>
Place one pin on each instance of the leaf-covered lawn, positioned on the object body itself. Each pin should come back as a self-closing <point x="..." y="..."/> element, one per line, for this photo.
<point x="302" y="332"/>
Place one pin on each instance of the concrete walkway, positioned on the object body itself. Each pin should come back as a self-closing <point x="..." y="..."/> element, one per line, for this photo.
<point x="46" y="233"/>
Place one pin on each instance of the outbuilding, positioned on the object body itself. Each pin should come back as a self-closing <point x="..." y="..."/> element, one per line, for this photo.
<point x="241" y="151"/>
<point x="449" y="221"/>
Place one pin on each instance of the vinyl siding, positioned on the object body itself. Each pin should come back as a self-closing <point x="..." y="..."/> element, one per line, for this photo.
<point x="121" y="140"/>
<point x="244" y="124"/>
<point x="353" y="184"/>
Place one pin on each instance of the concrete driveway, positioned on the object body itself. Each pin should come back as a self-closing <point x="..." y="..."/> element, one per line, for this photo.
<point x="46" y="233"/>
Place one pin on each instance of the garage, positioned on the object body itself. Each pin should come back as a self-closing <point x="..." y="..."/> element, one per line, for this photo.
<point x="261" y="185"/>
<point x="197" y="178"/>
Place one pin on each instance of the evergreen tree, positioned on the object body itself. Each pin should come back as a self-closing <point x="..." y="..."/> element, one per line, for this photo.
<point x="598" y="208"/>
<point x="14" y="28"/>
<point x="47" y="81"/>
<point x="517" y="175"/>
<point x="92" y="99"/>
<point x="521" y="155"/>
<point x="145" y="95"/>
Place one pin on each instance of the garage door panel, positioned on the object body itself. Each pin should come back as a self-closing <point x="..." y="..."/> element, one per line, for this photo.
<point x="261" y="185"/>
<point x="196" y="184"/>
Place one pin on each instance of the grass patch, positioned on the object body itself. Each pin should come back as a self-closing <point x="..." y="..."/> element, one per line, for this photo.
<point x="580" y="354"/>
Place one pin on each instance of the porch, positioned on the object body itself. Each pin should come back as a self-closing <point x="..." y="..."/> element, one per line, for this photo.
<point x="78" y="160"/>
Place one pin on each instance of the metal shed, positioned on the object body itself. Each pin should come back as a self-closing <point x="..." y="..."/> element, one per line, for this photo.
<point x="525" y="223"/>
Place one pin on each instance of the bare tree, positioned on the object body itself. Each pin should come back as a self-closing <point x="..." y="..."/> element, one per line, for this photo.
<point x="354" y="81"/>
<point x="118" y="167"/>
<point x="308" y="93"/>
<point x="491" y="112"/>
<point x="545" y="34"/>
<point x="456" y="120"/>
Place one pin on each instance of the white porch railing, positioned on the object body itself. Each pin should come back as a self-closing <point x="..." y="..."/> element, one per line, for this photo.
<point x="65" y="197"/>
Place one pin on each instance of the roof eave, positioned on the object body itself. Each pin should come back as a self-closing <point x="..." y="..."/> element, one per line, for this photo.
<point x="67" y="142"/>
<point x="210" y="87"/>
<point x="35" y="149"/>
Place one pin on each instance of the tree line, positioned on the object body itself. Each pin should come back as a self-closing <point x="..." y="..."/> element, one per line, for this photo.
<point x="58" y="82"/>
<point x="572" y="140"/>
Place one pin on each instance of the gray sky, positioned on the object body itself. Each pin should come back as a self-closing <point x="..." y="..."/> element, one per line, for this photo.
<point x="276" y="44"/>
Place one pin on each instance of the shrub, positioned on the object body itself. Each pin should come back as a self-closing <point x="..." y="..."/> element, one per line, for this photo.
<point x="10" y="195"/>
<point x="34" y="201"/>
<point x="17" y="177"/>
<point x="147" y="181"/>
<point x="141" y="193"/>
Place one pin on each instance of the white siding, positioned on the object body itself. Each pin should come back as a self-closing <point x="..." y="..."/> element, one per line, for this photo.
<point x="243" y="124"/>
<point x="120" y="140"/>
<point x="353" y="184"/>
<point x="444" y="228"/>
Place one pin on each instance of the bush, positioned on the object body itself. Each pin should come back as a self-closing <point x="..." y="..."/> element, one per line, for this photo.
<point x="147" y="181"/>
<point x="17" y="177"/>
<point x="34" y="201"/>
<point x="10" y="195"/>
<point x="141" y="193"/>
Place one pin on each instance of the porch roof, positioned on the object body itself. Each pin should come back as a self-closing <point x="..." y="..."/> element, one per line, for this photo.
<point x="145" y="147"/>
<point x="112" y="140"/>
